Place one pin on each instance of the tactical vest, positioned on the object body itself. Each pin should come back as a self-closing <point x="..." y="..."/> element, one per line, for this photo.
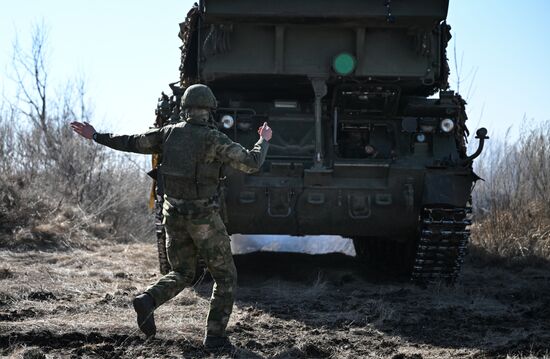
<point x="185" y="173"/>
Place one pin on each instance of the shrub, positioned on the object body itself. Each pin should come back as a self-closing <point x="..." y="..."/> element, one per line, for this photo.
<point x="513" y="204"/>
<point x="57" y="189"/>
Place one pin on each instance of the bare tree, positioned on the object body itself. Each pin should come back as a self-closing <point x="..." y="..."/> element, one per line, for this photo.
<point x="58" y="169"/>
<point x="47" y="146"/>
<point x="31" y="75"/>
<point x="8" y="129"/>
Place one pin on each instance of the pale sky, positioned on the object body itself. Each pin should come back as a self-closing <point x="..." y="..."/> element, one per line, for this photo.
<point x="128" y="52"/>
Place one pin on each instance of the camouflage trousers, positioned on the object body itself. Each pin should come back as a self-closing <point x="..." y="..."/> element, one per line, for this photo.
<point x="186" y="239"/>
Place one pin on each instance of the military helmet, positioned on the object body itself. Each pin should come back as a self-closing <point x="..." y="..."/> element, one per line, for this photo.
<point x="198" y="95"/>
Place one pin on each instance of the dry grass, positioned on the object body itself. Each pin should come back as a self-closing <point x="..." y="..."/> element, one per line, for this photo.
<point x="58" y="190"/>
<point x="513" y="204"/>
<point x="78" y="303"/>
<point x="5" y="273"/>
<point x="66" y="194"/>
<point x="529" y="356"/>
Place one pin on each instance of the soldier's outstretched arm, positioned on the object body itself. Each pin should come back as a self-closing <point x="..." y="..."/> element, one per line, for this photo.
<point x="238" y="157"/>
<point x="148" y="142"/>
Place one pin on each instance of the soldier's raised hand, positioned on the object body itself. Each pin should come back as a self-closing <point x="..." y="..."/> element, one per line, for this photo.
<point x="265" y="132"/>
<point x="83" y="129"/>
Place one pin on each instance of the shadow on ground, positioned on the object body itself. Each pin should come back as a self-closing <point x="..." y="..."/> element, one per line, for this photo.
<point x="496" y="311"/>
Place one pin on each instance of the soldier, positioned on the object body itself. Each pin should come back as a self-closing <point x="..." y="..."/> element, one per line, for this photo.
<point x="193" y="152"/>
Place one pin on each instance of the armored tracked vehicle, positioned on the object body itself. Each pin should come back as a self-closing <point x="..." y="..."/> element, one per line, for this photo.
<point x="369" y="142"/>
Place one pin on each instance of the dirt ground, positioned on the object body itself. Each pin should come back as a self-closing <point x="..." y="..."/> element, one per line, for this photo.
<point x="76" y="304"/>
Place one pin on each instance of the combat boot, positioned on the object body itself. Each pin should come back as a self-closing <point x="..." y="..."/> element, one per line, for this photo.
<point x="144" y="305"/>
<point x="217" y="344"/>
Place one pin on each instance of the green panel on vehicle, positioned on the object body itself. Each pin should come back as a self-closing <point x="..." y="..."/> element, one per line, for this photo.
<point x="344" y="63"/>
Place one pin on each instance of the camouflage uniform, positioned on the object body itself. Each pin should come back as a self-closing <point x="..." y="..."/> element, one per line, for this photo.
<point x="193" y="152"/>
